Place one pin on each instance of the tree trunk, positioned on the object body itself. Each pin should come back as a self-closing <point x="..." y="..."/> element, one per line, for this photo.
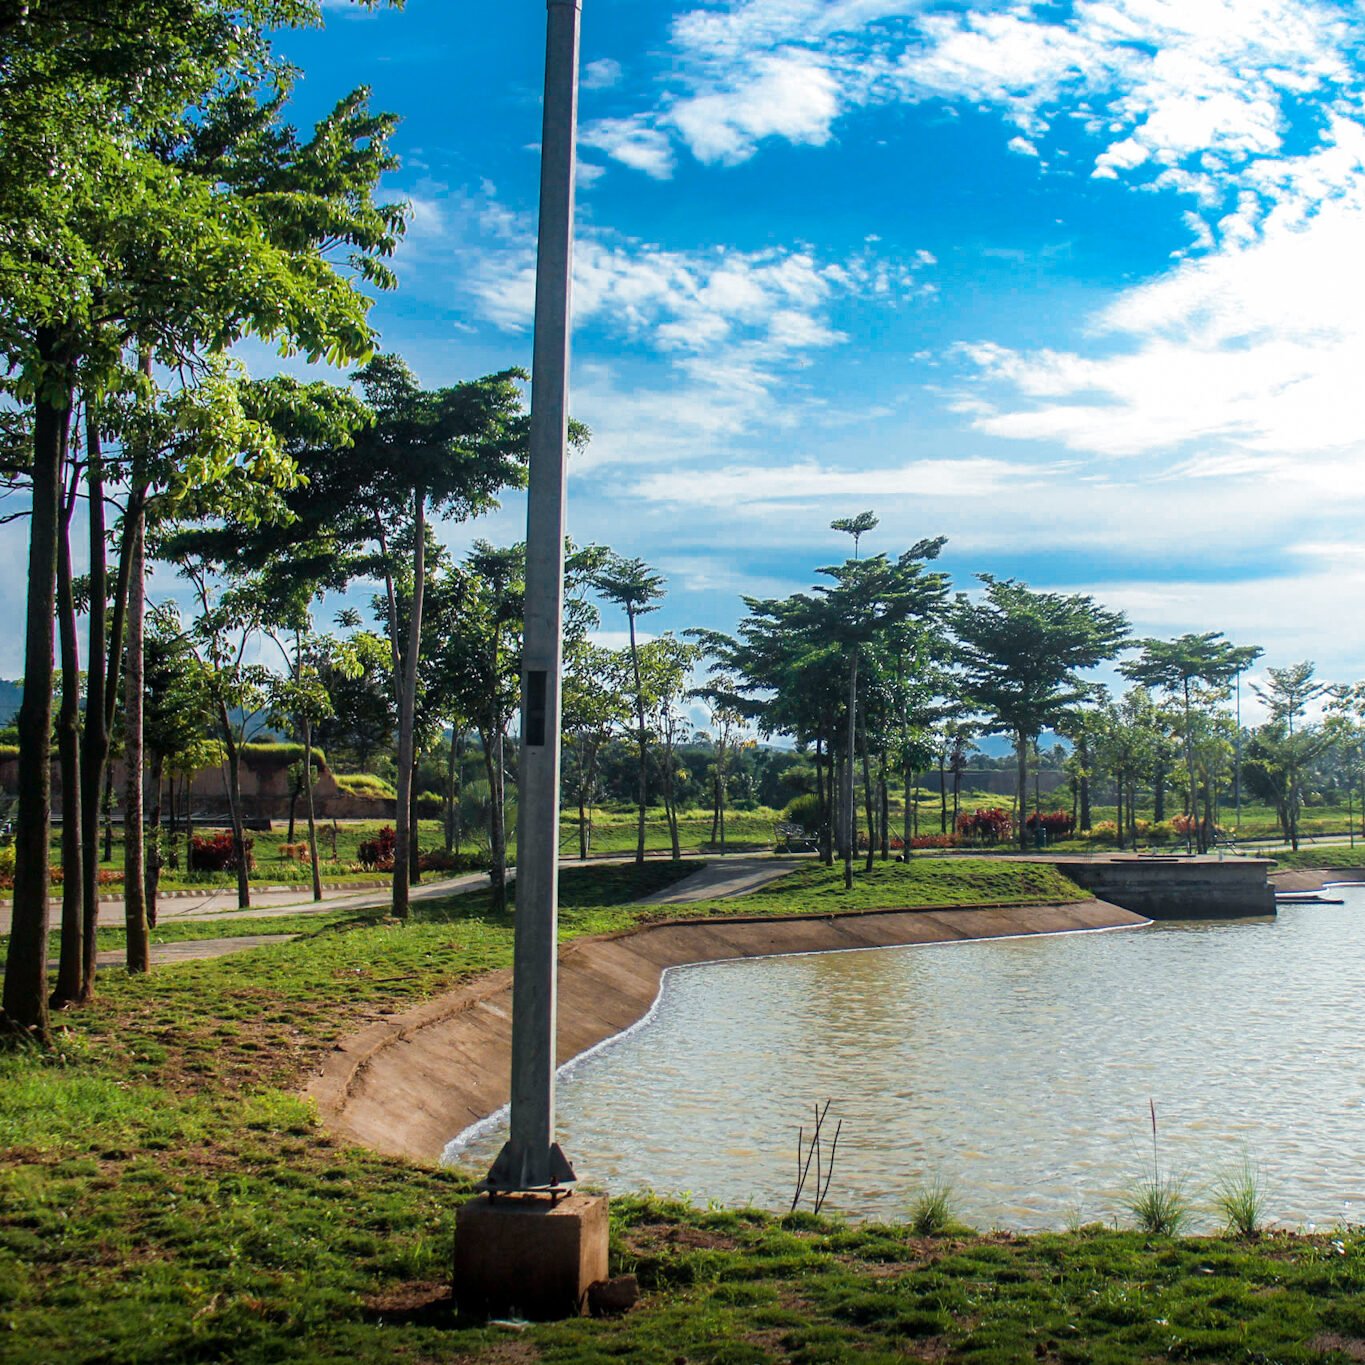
<point x="25" y="993"/>
<point x="71" y="966"/>
<point x="449" y="812"/>
<point x="884" y="800"/>
<point x="102" y="656"/>
<point x="414" y="847"/>
<point x="642" y="740"/>
<point x="869" y="808"/>
<point x="497" y="838"/>
<point x="234" y="800"/>
<point x="152" y="874"/>
<point x="308" y="808"/>
<point x="825" y="795"/>
<point x="405" y="680"/>
<point x="1021" y="748"/>
<point x="942" y="793"/>
<point x="1085" y="785"/>
<point x="1118" y="811"/>
<point x="907" y="817"/>
<point x="848" y="811"/>
<point x="670" y="807"/>
<point x="293" y="805"/>
<point x="134" y="889"/>
<point x="1159" y="793"/>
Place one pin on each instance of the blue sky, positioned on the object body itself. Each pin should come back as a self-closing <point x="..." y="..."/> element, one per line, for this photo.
<point x="1077" y="285"/>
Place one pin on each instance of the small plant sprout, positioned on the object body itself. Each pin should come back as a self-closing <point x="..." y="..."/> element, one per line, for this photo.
<point x="819" y="1150"/>
<point x="1239" y="1196"/>
<point x="1158" y="1203"/>
<point x="931" y="1211"/>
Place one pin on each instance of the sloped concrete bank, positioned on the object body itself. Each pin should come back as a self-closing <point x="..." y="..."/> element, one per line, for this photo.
<point x="409" y="1084"/>
<point x="1315" y="878"/>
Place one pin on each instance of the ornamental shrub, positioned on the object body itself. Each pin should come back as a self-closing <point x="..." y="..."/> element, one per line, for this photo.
<point x="1057" y="823"/>
<point x="987" y="824"/>
<point x="376" y="855"/>
<point x="803" y="810"/>
<point x="214" y="853"/>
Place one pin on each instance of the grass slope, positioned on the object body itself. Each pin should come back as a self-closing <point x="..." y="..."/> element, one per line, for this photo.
<point x="164" y="1196"/>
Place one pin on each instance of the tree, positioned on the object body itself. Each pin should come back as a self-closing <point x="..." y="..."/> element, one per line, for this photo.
<point x="1127" y="740"/>
<point x="726" y="718"/>
<point x="596" y="705"/>
<point x="1020" y="652"/>
<point x="121" y="247"/>
<point x="1177" y="667"/>
<point x="1287" y="694"/>
<point x="868" y="599"/>
<point x="632" y="586"/>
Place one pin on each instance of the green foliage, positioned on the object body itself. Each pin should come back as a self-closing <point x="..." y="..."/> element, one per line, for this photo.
<point x="1159" y="1205"/>
<point x="931" y="1210"/>
<point x="804" y="810"/>
<point x="364" y="784"/>
<point x="1239" y="1196"/>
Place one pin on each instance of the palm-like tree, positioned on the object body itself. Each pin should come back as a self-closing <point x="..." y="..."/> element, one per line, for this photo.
<point x="637" y="590"/>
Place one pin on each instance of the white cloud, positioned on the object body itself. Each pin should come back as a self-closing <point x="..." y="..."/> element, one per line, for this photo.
<point x="731" y="324"/>
<point x="742" y="488"/>
<point x="1187" y="93"/>
<point x="787" y="94"/>
<point x="632" y="142"/>
<point x="601" y="74"/>
<point x="1244" y="359"/>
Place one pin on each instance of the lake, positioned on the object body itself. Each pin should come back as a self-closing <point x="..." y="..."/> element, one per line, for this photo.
<point x="1019" y="1072"/>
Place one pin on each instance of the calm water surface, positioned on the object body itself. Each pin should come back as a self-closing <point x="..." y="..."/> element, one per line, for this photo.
<point x="1017" y="1071"/>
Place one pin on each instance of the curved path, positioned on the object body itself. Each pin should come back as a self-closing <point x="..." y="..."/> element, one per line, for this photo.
<point x="407" y="1085"/>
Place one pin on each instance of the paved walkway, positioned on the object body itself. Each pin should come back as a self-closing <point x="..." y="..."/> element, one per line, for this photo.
<point x="194" y="950"/>
<point x="732" y="875"/>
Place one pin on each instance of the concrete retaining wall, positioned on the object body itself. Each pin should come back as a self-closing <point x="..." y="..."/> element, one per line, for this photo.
<point x="408" y="1085"/>
<point x="1179" y="887"/>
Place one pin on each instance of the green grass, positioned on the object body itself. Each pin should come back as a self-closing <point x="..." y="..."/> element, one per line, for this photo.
<point x="166" y="1197"/>
<point x="923" y="882"/>
<point x="1328" y="855"/>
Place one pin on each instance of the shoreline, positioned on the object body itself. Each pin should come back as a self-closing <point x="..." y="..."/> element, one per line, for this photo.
<point x="1316" y="878"/>
<point x="408" y="1085"/>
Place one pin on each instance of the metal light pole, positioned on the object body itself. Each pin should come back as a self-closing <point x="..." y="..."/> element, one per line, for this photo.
<point x="531" y="1160"/>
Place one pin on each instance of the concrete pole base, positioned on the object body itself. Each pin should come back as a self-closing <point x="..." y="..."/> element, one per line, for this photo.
<point x="525" y="1256"/>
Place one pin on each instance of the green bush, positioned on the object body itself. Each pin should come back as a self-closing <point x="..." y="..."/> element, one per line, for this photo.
<point x="803" y="810"/>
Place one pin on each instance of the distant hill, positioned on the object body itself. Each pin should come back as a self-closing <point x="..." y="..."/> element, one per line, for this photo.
<point x="11" y="694"/>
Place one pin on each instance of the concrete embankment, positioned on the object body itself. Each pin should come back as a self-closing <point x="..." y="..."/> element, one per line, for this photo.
<point x="1315" y="878"/>
<point x="409" y="1084"/>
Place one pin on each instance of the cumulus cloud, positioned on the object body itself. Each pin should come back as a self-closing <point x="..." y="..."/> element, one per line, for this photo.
<point x="731" y="325"/>
<point x="1241" y="360"/>
<point x="1184" y="94"/>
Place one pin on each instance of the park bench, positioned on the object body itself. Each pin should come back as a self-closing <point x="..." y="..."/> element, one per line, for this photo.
<point x="793" y="838"/>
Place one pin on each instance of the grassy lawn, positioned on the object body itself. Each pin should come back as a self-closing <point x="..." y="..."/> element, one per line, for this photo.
<point x="1323" y="855"/>
<point x="165" y="1196"/>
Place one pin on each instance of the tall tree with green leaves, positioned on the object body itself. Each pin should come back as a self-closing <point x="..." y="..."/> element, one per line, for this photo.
<point x="120" y="250"/>
<point x="1195" y="671"/>
<point x="1288" y="693"/>
<point x="1021" y="652"/>
<point x="868" y="599"/>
